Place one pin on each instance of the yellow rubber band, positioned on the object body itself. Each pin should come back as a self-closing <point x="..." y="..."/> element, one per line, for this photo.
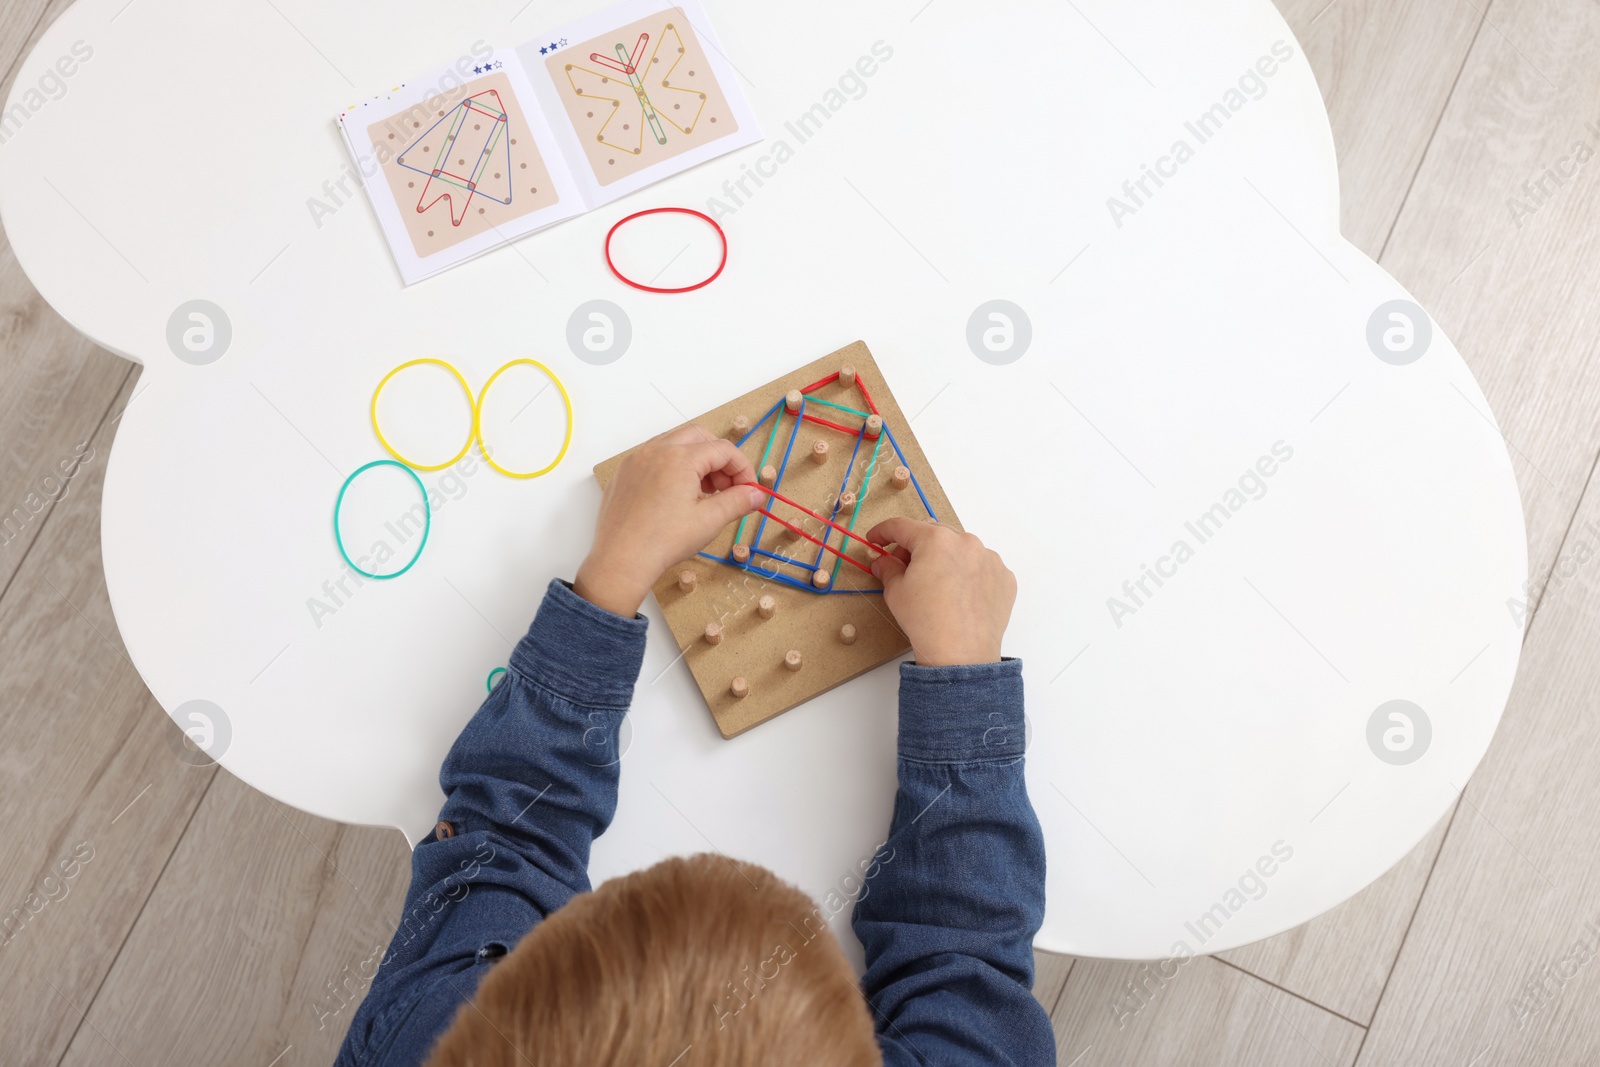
<point x="477" y="419"/>
<point x="472" y="434"/>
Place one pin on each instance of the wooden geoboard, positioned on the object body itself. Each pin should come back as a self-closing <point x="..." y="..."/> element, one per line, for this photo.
<point x="729" y="593"/>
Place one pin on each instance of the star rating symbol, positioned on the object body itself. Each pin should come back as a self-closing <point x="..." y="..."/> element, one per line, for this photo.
<point x="477" y="70"/>
<point x="544" y="51"/>
<point x="553" y="45"/>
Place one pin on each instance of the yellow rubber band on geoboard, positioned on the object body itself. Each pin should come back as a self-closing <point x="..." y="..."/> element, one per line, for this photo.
<point x="384" y="441"/>
<point x="477" y="419"/>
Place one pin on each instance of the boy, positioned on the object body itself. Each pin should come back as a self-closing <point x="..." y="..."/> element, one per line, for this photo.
<point x="505" y="957"/>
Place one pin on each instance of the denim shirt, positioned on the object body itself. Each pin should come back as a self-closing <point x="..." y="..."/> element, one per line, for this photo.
<point x="948" y="923"/>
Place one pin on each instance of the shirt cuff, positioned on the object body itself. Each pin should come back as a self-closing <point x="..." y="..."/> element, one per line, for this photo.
<point x="964" y="714"/>
<point x="580" y="652"/>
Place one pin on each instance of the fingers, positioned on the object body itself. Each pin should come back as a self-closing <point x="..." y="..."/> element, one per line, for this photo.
<point x="720" y="457"/>
<point x="715" y="482"/>
<point x="715" y="460"/>
<point x="888" y="569"/>
<point x="735" y="502"/>
<point x="902" y="531"/>
<point x="900" y="553"/>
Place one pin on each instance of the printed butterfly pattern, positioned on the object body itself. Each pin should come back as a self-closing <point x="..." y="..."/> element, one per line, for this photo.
<point x="654" y="104"/>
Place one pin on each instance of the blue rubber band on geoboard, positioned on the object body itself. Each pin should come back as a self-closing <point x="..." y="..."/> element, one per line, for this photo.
<point x="427" y="519"/>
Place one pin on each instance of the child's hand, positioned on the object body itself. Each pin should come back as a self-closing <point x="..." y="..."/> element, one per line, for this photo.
<point x="949" y="594"/>
<point x="657" y="511"/>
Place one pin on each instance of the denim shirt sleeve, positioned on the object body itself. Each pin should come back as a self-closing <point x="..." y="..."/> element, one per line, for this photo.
<point x="529" y="784"/>
<point x="948" y="923"/>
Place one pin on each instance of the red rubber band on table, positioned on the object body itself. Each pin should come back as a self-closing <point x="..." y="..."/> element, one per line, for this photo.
<point x="625" y="280"/>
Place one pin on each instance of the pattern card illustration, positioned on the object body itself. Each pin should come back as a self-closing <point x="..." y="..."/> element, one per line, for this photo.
<point x="507" y="142"/>
<point x="469" y="165"/>
<point x="642" y="94"/>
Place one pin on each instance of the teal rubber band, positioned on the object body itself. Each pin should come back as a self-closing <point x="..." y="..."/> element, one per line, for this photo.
<point x="490" y="683"/>
<point x="866" y="483"/>
<point x="836" y="407"/>
<point x="427" y="519"/>
<point x="766" y="453"/>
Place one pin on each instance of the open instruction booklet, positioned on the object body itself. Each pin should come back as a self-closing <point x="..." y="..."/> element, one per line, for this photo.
<point x="480" y="153"/>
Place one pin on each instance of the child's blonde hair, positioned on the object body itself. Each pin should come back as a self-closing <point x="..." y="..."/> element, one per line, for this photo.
<point x="698" y="961"/>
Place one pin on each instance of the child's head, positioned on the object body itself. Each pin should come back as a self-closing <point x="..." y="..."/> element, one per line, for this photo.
<point x="704" y="956"/>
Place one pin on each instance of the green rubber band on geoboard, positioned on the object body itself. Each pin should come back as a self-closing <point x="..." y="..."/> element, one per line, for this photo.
<point x="497" y="670"/>
<point x="427" y="519"/>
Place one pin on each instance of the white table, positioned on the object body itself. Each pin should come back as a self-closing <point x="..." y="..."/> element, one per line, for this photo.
<point x="1172" y="747"/>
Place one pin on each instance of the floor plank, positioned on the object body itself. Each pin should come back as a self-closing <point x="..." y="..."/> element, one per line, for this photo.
<point x="55" y="390"/>
<point x="1050" y="972"/>
<point x="355" y="919"/>
<point x="25" y="20"/>
<point x="1490" y="921"/>
<point x="1341" y="960"/>
<point x="55" y="386"/>
<point x="1370" y="55"/>
<point x="1199" y="1011"/>
<point x="231" y="949"/>
<point x="88" y="773"/>
<point x="1367" y="56"/>
<point x="1496" y="967"/>
<point x="1484" y="975"/>
<point x="1510" y="296"/>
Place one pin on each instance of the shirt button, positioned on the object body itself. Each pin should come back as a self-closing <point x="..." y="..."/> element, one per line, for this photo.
<point x="443" y="831"/>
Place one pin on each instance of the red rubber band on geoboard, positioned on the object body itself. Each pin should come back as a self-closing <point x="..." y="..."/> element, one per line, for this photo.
<point x="624" y="279"/>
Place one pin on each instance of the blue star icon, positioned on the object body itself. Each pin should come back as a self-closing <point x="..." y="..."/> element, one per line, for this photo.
<point x="544" y="51"/>
<point x="477" y="70"/>
<point x="552" y="46"/>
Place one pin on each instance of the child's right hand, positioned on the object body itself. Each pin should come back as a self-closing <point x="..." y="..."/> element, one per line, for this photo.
<point x="950" y="595"/>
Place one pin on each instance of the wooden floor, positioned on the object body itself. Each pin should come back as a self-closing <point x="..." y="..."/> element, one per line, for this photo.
<point x="202" y="923"/>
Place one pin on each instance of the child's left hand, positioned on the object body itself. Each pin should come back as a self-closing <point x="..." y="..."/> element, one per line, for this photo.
<point x="668" y="501"/>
